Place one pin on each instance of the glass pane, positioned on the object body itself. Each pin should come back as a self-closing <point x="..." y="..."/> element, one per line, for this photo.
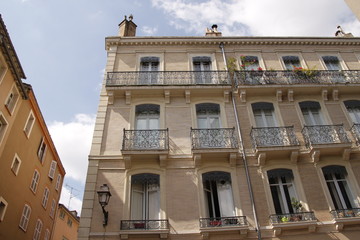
<point x="153" y="123"/>
<point x="226" y="201"/>
<point x="332" y="62"/>
<point x="335" y="196"/>
<point x="137" y="199"/>
<point x="202" y="122"/>
<point x="291" y="62"/>
<point x="141" y="124"/>
<point x="214" y="122"/>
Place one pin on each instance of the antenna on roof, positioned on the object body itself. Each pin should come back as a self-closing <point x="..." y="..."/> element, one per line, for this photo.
<point x="72" y="195"/>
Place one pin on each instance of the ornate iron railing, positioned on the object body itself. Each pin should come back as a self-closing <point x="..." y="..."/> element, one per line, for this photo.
<point x="146" y="140"/>
<point x="345" y="213"/>
<point x="274" y="136"/>
<point x="355" y="129"/>
<point x="213" y="138"/>
<point x="141" y="78"/>
<point x="223" y="222"/>
<point x="297" y="77"/>
<point x="162" y="224"/>
<point x="324" y="134"/>
<point x="292" y="217"/>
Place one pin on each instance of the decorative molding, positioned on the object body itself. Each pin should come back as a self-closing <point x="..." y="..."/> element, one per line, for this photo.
<point x="110" y="97"/>
<point x="279" y="95"/>
<point x="243" y="96"/>
<point x="335" y="95"/>
<point x="187" y="96"/>
<point x="290" y="95"/>
<point x="339" y="226"/>
<point x="315" y="156"/>
<point x="277" y="232"/>
<point x="324" y="94"/>
<point x="128" y="97"/>
<point x="226" y="96"/>
<point x="197" y="160"/>
<point x="167" y="96"/>
<point x="294" y="156"/>
<point x="261" y="159"/>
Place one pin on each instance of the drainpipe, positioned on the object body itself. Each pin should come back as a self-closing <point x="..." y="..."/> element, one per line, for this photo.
<point x="242" y="148"/>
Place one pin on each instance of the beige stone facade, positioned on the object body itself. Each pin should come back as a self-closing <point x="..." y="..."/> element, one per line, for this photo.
<point x="66" y="224"/>
<point x="31" y="172"/>
<point x="167" y="141"/>
<point x="354" y="6"/>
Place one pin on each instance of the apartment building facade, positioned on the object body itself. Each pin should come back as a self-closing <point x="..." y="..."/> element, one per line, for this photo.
<point x="31" y="172"/>
<point x="226" y="138"/>
<point x="66" y="224"/>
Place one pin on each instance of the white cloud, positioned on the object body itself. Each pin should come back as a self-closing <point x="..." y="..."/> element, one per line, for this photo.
<point x="149" y="30"/>
<point x="73" y="141"/>
<point x="74" y="204"/>
<point x="261" y="17"/>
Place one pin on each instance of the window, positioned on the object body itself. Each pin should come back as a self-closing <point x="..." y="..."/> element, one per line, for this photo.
<point x="149" y="67"/>
<point x="15" y="166"/>
<point x="45" y="197"/>
<point x="336" y="181"/>
<point x="52" y="210"/>
<point x="147" y="117"/>
<point x="69" y="222"/>
<point x="218" y="194"/>
<point x="35" y="181"/>
<point x="332" y="63"/>
<point x="202" y="68"/>
<point x="291" y="62"/>
<point x="282" y="190"/>
<point x="38" y="228"/>
<point x="353" y="108"/>
<point x="2" y="69"/>
<point x="250" y="63"/>
<point x="58" y="182"/>
<point x="3" y="126"/>
<point x="312" y="113"/>
<point x="47" y="234"/>
<point x="264" y="114"/>
<point x="62" y="214"/>
<point x="3" y="207"/>
<point x="145" y="196"/>
<point x="12" y="99"/>
<point x="208" y="115"/>
<point x="29" y="124"/>
<point x="24" y="221"/>
<point x="42" y="150"/>
<point x="52" y="169"/>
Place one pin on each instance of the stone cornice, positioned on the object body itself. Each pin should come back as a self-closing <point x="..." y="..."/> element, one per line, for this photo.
<point x="327" y="41"/>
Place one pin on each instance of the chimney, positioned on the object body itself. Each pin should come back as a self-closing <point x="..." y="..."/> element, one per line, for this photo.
<point x="127" y="28"/>
<point x="213" y="32"/>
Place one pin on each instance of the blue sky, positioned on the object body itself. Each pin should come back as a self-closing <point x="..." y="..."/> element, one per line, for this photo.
<point x="60" y="44"/>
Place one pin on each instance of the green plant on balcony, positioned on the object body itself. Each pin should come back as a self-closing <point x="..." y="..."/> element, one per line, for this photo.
<point x="231" y="67"/>
<point x="296" y="204"/>
<point x="306" y="73"/>
<point x="284" y="219"/>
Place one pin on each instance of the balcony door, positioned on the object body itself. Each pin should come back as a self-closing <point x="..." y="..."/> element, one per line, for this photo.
<point x="208" y="115"/>
<point x="219" y="200"/>
<point x="147" y="124"/>
<point x="353" y="108"/>
<point x="291" y="62"/>
<point x="145" y="197"/>
<point x="311" y="112"/>
<point x="282" y="190"/>
<point x="202" y="68"/>
<point x="264" y="114"/>
<point x="336" y="181"/>
<point x="149" y="67"/>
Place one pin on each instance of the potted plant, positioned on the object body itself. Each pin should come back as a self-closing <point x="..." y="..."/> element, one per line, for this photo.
<point x="139" y="225"/>
<point x="215" y="223"/>
<point x="284" y="219"/>
<point x="296" y="204"/>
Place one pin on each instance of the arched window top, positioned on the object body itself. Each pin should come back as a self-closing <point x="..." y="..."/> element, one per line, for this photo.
<point x="147" y="109"/>
<point x="262" y="105"/>
<point x="309" y="104"/>
<point x="218" y="176"/>
<point x="335" y="169"/>
<point x="204" y="108"/>
<point x="352" y="103"/>
<point x="148" y="178"/>
<point x="280" y="172"/>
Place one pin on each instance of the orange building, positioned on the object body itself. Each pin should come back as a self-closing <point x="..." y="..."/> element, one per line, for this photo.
<point x="66" y="224"/>
<point x="31" y="172"/>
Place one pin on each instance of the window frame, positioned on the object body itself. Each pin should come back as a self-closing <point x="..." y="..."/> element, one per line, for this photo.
<point x="47" y="234"/>
<point x="323" y="110"/>
<point x="202" y="54"/>
<point x="252" y="54"/>
<point x="30" y="120"/>
<point x="58" y="182"/>
<point x="347" y="113"/>
<point x="297" y="54"/>
<point x="208" y="116"/>
<point x="45" y="197"/>
<point x="52" y="169"/>
<point x="3" y="208"/>
<point x="133" y="113"/>
<point x="3" y="69"/>
<point x="25" y="217"/>
<point x="42" y="152"/>
<point x="16" y="171"/>
<point x="139" y="56"/>
<point x="11" y="102"/>
<point x="38" y="229"/>
<point x="342" y="63"/>
<point x="3" y="127"/>
<point x="35" y="181"/>
<point x="52" y="209"/>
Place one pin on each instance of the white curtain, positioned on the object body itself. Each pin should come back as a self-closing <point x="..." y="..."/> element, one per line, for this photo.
<point x="226" y="200"/>
<point x="137" y="201"/>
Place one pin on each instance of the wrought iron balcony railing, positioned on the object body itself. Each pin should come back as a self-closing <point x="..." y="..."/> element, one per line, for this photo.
<point x="223" y="222"/>
<point x="274" y="136"/>
<point x="213" y="138"/>
<point x="161" y="224"/>
<point x="345" y="213"/>
<point x="324" y="134"/>
<point x="292" y="217"/>
<point x="146" y="140"/>
<point x="163" y="78"/>
<point x="355" y="129"/>
<point x="297" y="77"/>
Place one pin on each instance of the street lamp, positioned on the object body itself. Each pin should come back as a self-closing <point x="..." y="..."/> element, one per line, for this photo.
<point x="104" y="196"/>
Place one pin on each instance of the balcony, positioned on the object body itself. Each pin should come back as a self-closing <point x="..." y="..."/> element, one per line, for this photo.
<point x="146" y="140"/>
<point x="219" y="138"/>
<point x="297" y="77"/>
<point x="273" y="137"/>
<point x="355" y="130"/>
<point x="325" y="134"/>
<point x="346" y="213"/>
<point x="144" y="225"/>
<point x="223" y="222"/>
<point x="292" y="217"/>
<point x="166" y="78"/>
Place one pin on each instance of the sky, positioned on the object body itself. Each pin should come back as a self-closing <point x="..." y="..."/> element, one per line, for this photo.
<point x="61" y="47"/>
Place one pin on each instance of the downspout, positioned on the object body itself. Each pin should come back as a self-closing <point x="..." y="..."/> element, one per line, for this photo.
<point x="242" y="148"/>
